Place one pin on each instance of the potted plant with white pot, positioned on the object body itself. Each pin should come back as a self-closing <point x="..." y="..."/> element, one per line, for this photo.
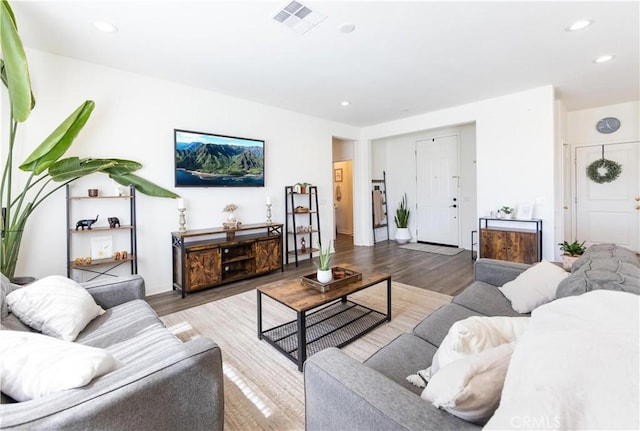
<point x="572" y="252"/>
<point x="401" y="219"/>
<point x="506" y="211"/>
<point x="324" y="273"/>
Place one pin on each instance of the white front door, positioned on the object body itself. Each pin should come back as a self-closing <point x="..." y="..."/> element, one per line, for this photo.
<point x="437" y="186"/>
<point x="609" y="212"/>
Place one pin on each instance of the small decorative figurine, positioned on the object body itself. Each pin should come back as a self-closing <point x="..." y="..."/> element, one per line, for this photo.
<point x="86" y="223"/>
<point x="231" y="222"/>
<point x="124" y="254"/>
<point x="116" y="255"/>
<point x="303" y="246"/>
<point x="114" y="222"/>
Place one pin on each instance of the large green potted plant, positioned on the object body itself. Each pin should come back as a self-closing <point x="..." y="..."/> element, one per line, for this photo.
<point x="403" y="235"/>
<point x="47" y="170"/>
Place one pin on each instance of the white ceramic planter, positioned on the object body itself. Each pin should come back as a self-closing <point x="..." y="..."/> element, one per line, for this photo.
<point x="324" y="276"/>
<point x="403" y="235"/>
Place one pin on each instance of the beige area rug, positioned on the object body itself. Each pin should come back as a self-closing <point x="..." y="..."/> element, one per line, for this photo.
<point x="430" y="248"/>
<point x="263" y="389"/>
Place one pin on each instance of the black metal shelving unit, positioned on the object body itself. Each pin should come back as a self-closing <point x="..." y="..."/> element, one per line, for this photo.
<point x="103" y="267"/>
<point x="301" y="208"/>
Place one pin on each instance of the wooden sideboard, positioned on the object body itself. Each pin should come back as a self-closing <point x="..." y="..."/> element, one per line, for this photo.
<point x="511" y="239"/>
<point x="205" y="258"/>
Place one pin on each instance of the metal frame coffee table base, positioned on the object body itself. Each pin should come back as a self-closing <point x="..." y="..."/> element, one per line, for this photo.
<point x="332" y="325"/>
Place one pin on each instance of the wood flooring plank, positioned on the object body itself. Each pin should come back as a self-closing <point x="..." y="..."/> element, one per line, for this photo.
<point x="438" y="273"/>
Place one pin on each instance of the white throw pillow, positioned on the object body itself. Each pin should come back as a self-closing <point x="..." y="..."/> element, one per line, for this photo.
<point x="34" y="365"/>
<point x="470" y="388"/>
<point x="476" y="334"/>
<point x="534" y="287"/>
<point x="55" y="306"/>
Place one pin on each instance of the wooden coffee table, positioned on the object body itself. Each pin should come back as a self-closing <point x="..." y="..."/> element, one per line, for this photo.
<point x="323" y="320"/>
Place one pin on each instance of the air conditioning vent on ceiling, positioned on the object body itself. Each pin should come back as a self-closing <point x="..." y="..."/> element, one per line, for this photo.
<point x="298" y="17"/>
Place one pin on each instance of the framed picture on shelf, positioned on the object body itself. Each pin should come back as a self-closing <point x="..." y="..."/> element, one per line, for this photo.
<point x="525" y="211"/>
<point x="337" y="175"/>
<point x="101" y="247"/>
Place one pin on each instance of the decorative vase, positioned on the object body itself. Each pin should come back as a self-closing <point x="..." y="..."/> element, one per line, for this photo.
<point x="324" y="276"/>
<point x="403" y="235"/>
<point x="231" y="218"/>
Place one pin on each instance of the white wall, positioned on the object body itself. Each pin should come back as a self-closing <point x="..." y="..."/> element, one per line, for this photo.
<point x="515" y="145"/>
<point x="134" y="119"/>
<point x="581" y="125"/>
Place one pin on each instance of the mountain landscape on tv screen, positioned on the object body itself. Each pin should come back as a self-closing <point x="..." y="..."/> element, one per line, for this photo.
<point x="198" y="163"/>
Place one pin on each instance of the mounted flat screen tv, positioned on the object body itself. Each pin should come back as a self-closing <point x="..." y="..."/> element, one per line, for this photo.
<point x="208" y="160"/>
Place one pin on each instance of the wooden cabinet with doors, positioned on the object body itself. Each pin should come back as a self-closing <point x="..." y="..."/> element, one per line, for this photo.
<point x="511" y="239"/>
<point x="267" y="254"/>
<point x="206" y="258"/>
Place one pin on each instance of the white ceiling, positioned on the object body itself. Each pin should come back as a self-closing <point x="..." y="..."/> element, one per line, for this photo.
<point x="403" y="59"/>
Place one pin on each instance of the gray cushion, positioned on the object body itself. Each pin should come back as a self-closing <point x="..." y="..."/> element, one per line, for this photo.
<point x="6" y="288"/>
<point x="154" y="341"/>
<point x="610" y="274"/>
<point x="436" y="325"/>
<point x="403" y="356"/>
<point x="486" y="299"/>
<point x="12" y="323"/>
<point x="119" y="324"/>
<point x="606" y="252"/>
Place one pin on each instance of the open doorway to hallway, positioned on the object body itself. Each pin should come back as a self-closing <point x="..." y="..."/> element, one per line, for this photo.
<point x="343" y="192"/>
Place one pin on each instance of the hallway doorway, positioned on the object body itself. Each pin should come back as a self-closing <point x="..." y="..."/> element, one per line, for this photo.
<point x="343" y="190"/>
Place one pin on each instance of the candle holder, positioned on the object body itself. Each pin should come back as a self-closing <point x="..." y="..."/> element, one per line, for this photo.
<point x="269" y="221"/>
<point x="181" y="220"/>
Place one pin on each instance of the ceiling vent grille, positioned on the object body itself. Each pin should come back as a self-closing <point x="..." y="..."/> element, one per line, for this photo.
<point x="298" y="17"/>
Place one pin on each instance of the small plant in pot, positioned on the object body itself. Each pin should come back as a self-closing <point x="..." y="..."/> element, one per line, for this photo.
<point x="507" y="211"/>
<point x="572" y="252"/>
<point x="324" y="273"/>
<point x="402" y="222"/>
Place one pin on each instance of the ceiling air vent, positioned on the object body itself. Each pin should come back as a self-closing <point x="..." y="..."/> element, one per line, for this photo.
<point x="298" y="17"/>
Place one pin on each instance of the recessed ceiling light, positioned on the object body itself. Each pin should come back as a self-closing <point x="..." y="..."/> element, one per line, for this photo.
<point x="105" y="27"/>
<point x="603" y="59"/>
<point x="345" y="103"/>
<point x="579" y="25"/>
<point x="347" y="27"/>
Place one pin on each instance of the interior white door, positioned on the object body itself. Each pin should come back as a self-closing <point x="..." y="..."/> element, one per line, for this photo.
<point x="437" y="190"/>
<point x="609" y="212"/>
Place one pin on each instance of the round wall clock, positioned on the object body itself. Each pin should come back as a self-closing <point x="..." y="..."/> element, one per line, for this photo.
<point x="608" y="125"/>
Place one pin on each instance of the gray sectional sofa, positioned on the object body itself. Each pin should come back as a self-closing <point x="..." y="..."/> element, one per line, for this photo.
<point x="342" y="393"/>
<point x="164" y="384"/>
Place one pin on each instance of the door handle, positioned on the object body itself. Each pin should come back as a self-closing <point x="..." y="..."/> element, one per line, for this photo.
<point x="637" y="198"/>
<point x="638" y="207"/>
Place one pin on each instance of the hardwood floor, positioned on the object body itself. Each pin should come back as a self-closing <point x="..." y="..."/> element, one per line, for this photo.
<point x="438" y="273"/>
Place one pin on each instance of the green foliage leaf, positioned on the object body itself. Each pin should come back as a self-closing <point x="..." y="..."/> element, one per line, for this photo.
<point x="402" y="213"/>
<point x="74" y="167"/>
<point x="143" y="186"/>
<point x="59" y="141"/>
<point x="122" y="166"/>
<point x="15" y="71"/>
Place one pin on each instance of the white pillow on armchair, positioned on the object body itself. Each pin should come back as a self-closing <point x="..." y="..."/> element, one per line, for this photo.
<point x="55" y="305"/>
